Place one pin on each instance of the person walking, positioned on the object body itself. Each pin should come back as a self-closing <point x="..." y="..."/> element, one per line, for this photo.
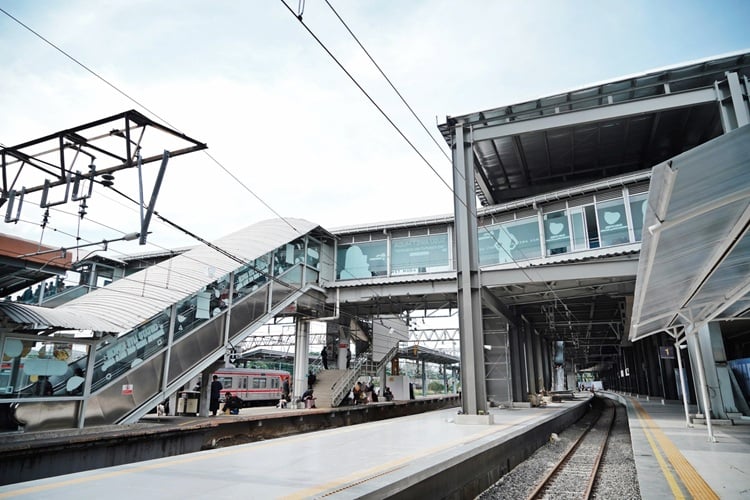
<point x="216" y="388"/>
<point x="324" y="357"/>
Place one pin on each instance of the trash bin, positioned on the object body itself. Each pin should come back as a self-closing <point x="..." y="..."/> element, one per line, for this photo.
<point x="188" y="403"/>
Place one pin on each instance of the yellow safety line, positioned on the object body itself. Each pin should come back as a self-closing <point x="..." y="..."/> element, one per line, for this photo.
<point x="356" y="477"/>
<point x="676" y="490"/>
<point x="692" y="480"/>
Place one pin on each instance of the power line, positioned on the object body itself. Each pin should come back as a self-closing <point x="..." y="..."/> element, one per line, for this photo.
<point x="367" y="95"/>
<point x="389" y="81"/>
<point x="143" y="106"/>
<point x="401" y="133"/>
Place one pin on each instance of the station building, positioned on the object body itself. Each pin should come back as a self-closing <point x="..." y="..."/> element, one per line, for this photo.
<point x="601" y="230"/>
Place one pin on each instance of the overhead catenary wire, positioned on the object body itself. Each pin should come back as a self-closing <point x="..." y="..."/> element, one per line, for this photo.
<point x="147" y="109"/>
<point x="298" y="15"/>
<point x="389" y="81"/>
<point x="401" y="133"/>
<point x="142" y="106"/>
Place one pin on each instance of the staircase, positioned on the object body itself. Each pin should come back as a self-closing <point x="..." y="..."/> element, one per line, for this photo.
<point x="324" y="385"/>
<point x="332" y="386"/>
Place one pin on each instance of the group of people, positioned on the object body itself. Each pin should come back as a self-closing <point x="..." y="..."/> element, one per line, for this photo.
<point x="307" y="397"/>
<point x="364" y="393"/>
<point x="232" y="403"/>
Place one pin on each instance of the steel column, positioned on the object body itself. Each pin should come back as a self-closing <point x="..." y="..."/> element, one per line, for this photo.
<point x="474" y="393"/>
<point x="301" y="349"/>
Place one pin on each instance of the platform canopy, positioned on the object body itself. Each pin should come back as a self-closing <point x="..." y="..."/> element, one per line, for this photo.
<point x="584" y="142"/>
<point x="20" y="267"/>
<point x="695" y="257"/>
<point x="596" y="131"/>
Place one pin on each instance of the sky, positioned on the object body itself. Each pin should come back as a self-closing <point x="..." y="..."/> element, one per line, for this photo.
<point x="278" y="113"/>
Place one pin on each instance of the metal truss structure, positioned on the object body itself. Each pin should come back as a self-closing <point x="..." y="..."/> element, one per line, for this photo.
<point x="65" y="166"/>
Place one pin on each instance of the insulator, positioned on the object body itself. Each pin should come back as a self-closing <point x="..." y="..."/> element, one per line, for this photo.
<point x="108" y="180"/>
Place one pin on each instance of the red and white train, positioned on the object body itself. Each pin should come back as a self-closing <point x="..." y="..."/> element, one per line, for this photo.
<point x="255" y="386"/>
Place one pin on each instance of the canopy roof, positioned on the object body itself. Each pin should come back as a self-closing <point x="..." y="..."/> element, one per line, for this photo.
<point x="597" y="131"/>
<point x="695" y="257"/>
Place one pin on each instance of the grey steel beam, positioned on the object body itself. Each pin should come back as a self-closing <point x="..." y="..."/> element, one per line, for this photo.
<point x="739" y="103"/>
<point x="364" y="292"/>
<point x="562" y="272"/>
<point x="474" y="392"/>
<point x="609" y="112"/>
<point x="483" y="183"/>
<point x="496" y="305"/>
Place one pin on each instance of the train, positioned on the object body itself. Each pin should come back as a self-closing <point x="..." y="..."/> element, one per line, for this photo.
<point x="255" y="386"/>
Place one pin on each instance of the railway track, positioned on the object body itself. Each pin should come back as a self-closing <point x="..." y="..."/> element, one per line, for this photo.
<point x="575" y="474"/>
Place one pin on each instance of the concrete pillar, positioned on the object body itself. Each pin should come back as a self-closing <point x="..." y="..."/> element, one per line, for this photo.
<point x="205" y="398"/>
<point x="301" y="350"/>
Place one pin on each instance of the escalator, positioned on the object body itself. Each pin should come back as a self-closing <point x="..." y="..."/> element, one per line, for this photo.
<point x="132" y="372"/>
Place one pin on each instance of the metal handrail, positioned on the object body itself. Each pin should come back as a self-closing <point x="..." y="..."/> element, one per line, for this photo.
<point x="364" y="361"/>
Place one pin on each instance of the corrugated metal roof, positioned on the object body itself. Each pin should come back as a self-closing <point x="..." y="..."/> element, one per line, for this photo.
<point x="590" y="133"/>
<point x="695" y="267"/>
<point x="37" y="317"/>
<point x="128" y="302"/>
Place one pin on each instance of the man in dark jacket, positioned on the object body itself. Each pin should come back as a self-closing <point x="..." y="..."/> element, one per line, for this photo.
<point x="216" y="388"/>
<point x="324" y="357"/>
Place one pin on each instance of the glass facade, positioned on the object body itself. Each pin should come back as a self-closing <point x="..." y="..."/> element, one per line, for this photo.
<point x="598" y="223"/>
<point x="556" y="233"/>
<point x="509" y="241"/>
<point x="637" y="214"/>
<point x="420" y="254"/>
<point x="613" y="223"/>
<point x="48" y="367"/>
<point x="362" y="260"/>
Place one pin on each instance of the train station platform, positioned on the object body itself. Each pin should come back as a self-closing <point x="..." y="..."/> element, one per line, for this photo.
<point x="425" y="455"/>
<point x="422" y="455"/>
<point x="677" y="461"/>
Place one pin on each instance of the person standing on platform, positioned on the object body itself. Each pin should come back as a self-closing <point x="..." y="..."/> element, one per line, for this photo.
<point x="286" y="390"/>
<point x="216" y="388"/>
<point x="348" y="357"/>
<point x="324" y="357"/>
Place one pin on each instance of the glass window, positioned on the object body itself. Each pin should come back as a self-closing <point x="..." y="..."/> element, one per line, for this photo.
<point x="578" y="228"/>
<point x="556" y="232"/>
<point x="259" y="383"/>
<point x="362" y="260"/>
<point x="120" y="355"/>
<point x="613" y="224"/>
<point x="50" y="367"/>
<point x="638" y="213"/>
<point x="583" y="228"/>
<point x="226" y="382"/>
<point x="420" y="254"/>
<point x="510" y="241"/>
<point x="313" y="253"/>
